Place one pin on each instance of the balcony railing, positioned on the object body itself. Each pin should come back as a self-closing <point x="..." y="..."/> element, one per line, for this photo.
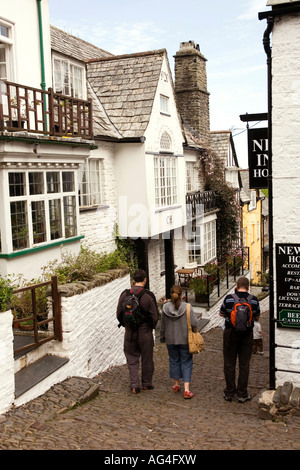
<point x="44" y="112"/>
<point x="199" y="201"/>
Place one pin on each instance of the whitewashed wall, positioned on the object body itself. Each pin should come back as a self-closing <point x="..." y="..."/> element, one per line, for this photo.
<point x="7" y="382"/>
<point x="25" y="57"/>
<point x="92" y="341"/>
<point x="98" y="225"/>
<point x="286" y="164"/>
<point x="91" y="337"/>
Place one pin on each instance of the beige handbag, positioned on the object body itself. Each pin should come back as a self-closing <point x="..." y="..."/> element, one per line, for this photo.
<point x="195" y="340"/>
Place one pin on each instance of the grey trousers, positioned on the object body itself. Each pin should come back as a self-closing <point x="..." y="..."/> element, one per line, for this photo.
<point x="138" y="345"/>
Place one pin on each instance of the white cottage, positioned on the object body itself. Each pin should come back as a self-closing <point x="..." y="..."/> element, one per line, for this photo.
<point x="38" y="165"/>
<point x="145" y="166"/>
<point x="139" y="174"/>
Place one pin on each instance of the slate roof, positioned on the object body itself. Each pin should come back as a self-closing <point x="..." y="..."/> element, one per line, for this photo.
<point x="126" y="87"/>
<point x="220" y="142"/>
<point x="72" y="46"/>
<point x="245" y="194"/>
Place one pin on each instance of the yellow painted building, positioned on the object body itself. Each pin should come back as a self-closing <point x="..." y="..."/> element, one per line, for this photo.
<point x="251" y="201"/>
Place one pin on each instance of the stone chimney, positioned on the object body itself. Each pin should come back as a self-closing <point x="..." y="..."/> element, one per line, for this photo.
<point x="191" y="89"/>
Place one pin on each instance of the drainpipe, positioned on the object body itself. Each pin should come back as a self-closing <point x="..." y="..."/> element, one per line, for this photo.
<point x="270" y="17"/>
<point x="43" y="82"/>
<point x="268" y="51"/>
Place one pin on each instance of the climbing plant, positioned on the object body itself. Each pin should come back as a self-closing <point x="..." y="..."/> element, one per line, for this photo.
<point x="213" y="171"/>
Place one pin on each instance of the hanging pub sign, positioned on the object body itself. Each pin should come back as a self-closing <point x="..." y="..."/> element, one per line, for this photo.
<point x="258" y="158"/>
<point x="288" y="285"/>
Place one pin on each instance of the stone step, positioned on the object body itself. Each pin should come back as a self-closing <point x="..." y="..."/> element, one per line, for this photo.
<point x="34" y="373"/>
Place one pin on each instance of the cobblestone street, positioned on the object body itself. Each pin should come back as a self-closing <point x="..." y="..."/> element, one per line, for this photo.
<point x="157" y="419"/>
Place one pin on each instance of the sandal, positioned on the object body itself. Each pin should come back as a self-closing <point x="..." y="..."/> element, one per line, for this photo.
<point x="135" y="390"/>
<point x="148" y="387"/>
<point x="188" y="395"/>
<point x="176" y="388"/>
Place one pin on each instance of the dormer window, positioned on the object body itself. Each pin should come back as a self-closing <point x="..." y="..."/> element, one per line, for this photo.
<point x="68" y="78"/>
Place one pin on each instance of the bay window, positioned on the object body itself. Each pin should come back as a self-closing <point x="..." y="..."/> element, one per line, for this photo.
<point x="165" y="181"/>
<point x="43" y="207"/>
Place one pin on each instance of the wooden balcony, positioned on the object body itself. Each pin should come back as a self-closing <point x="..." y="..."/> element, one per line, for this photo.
<point x="23" y="108"/>
<point x="199" y="202"/>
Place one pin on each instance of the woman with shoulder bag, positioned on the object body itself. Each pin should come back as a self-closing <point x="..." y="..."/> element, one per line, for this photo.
<point x="174" y="332"/>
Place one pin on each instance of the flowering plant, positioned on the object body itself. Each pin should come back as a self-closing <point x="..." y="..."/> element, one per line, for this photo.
<point x="212" y="168"/>
<point x="198" y="284"/>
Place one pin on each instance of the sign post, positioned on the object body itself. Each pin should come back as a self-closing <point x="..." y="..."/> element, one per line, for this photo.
<point x="258" y="158"/>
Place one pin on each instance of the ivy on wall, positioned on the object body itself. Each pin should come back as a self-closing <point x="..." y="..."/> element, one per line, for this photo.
<point x="212" y="169"/>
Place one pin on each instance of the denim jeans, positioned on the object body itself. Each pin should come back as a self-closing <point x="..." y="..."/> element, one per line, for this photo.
<point x="180" y="361"/>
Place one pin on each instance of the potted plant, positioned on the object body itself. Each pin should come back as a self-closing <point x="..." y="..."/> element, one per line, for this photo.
<point x="211" y="269"/>
<point x="26" y="325"/>
<point x="198" y="285"/>
<point x="18" y="112"/>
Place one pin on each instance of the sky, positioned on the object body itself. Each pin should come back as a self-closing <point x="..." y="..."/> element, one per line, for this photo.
<point x="228" y="32"/>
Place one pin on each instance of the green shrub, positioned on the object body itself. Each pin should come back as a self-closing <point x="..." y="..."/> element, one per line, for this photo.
<point x="6" y="293"/>
<point x="84" y="265"/>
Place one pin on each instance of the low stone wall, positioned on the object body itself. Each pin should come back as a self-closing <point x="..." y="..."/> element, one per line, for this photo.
<point x="280" y="404"/>
<point x="92" y="340"/>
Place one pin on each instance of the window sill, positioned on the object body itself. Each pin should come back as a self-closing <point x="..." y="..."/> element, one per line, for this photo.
<point x="36" y="248"/>
<point x="93" y="208"/>
<point x="167" y="208"/>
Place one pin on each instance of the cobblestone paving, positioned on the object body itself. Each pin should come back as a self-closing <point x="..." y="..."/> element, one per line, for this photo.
<point x="157" y="419"/>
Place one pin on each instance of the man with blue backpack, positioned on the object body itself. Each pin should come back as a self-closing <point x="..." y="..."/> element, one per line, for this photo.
<point x="239" y="310"/>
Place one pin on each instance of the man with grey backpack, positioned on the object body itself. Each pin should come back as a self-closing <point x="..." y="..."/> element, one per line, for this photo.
<point x="239" y="310"/>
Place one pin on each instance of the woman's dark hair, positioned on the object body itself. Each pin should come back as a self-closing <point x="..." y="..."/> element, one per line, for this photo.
<point x="176" y="293"/>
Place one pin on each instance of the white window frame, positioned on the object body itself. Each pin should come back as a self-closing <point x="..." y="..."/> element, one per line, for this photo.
<point x="202" y="242"/>
<point x="210" y="242"/>
<point x="191" y="176"/>
<point x="90" y="183"/>
<point x="252" y="204"/>
<point x="164" y="105"/>
<point x="67" y="83"/>
<point x="195" y="244"/>
<point x="165" y="181"/>
<point x="165" y="142"/>
<point x="64" y="196"/>
<point x="6" y="43"/>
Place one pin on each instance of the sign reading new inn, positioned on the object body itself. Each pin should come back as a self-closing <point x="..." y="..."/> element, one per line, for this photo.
<point x="258" y="158"/>
<point x="288" y="284"/>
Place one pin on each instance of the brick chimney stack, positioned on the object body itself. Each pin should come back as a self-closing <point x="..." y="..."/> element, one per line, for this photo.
<point x="191" y="88"/>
